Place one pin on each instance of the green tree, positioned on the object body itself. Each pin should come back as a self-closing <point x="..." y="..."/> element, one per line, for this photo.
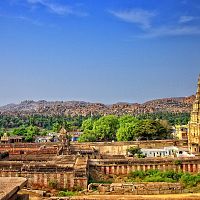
<point x="106" y="127"/>
<point x="135" y="151"/>
<point x="88" y="136"/>
<point x="150" y="130"/>
<point x="56" y="127"/>
<point x="87" y="124"/>
<point x="126" y="132"/>
<point x="127" y="119"/>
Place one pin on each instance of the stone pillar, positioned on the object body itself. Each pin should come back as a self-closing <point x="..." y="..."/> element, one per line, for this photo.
<point x="48" y="178"/>
<point x="113" y="169"/>
<point x="122" y="169"/>
<point x="65" y="180"/>
<point x="179" y="168"/>
<point x="117" y="171"/>
<point x="194" y="168"/>
<point x="107" y="169"/>
<point x="45" y="180"/>
<point x="189" y="170"/>
<point x="58" y="180"/>
<point x="198" y="168"/>
<point x="102" y="169"/>
<point x="62" y="180"/>
<point x="133" y="167"/>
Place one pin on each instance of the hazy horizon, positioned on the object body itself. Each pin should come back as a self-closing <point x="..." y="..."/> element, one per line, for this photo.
<point x="105" y="51"/>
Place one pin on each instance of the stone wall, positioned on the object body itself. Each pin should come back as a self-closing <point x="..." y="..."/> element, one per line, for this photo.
<point x="137" y="188"/>
<point x="43" y="180"/>
<point x="124" y="166"/>
<point x="42" y="174"/>
<point x="29" y="148"/>
<point x="120" y="148"/>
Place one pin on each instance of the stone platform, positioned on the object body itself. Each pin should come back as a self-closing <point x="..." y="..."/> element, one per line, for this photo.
<point x="9" y="186"/>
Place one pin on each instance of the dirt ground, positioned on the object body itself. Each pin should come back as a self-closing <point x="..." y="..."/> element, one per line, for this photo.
<point x="190" y="196"/>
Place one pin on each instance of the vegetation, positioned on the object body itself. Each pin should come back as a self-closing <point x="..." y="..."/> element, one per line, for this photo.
<point x="31" y="126"/>
<point x="187" y="179"/>
<point x="107" y="128"/>
<point x="125" y="128"/>
<point x="92" y="180"/>
<point x="66" y="193"/>
<point x="4" y="155"/>
<point x="136" y="151"/>
<point x="172" y="118"/>
<point x="42" y="122"/>
<point x="53" y="184"/>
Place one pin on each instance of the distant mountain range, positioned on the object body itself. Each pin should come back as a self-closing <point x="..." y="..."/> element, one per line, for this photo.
<point x="74" y="108"/>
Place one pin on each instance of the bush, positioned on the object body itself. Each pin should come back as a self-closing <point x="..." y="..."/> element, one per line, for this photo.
<point x="137" y="174"/>
<point x="190" y="180"/>
<point x="177" y="162"/>
<point x="153" y="175"/>
<point x="53" y="184"/>
<point x="66" y="193"/>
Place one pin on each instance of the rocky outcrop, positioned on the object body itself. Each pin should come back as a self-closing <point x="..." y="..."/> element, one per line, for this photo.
<point x="74" y="108"/>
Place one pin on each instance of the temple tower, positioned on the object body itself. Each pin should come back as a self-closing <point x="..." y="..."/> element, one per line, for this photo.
<point x="194" y="124"/>
<point x="65" y="142"/>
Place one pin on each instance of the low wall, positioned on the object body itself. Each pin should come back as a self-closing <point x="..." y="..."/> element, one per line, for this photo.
<point x="138" y="188"/>
<point x="124" y="166"/>
<point x="120" y="148"/>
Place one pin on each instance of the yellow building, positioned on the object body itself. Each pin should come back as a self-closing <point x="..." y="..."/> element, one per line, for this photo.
<point x="181" y="132"/>
<point x="194" y="124"/>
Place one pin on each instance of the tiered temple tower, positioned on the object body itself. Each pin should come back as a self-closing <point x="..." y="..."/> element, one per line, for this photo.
<point x="194" y="124"/>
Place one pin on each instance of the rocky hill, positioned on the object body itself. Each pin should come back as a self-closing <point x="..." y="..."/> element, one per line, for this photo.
<point x="178" y="104"/>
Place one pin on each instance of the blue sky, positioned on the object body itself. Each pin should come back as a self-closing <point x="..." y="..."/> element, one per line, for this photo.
<point x="98" y="50"/>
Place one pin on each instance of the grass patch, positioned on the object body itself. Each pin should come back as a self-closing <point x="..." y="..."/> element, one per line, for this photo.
<point x="187" y="179"/>
<point x="66" y="193"/>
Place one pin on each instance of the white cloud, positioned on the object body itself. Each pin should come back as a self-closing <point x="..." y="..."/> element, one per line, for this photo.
<point x="138" y="16"/>
<point x="58" y="9"/>
<point x="186" y="19"/>
<point x="23" y="18"/>
<point x="52" y="7"/>
<point x="144" y="19"/>
<point x="172" y="31"/>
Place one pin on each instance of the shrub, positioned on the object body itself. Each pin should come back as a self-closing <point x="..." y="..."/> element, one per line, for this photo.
<point x="66" y="193"/>
<point x="53" y="184"/>
<point x="177" y="162"/>
<point x="137" y="174"/>
<point x="190" y="180"/>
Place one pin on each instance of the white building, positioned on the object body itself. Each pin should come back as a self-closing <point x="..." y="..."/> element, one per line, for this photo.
<point x="170" y="151"/>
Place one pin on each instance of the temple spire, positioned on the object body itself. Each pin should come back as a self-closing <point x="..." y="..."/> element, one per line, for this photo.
<point x="198" y="89"/>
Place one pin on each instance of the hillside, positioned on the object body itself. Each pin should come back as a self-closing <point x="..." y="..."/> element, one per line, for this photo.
<point x="177" y="104"/>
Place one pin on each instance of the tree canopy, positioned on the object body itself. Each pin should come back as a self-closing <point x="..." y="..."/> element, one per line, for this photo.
<point x="125" y="128"/>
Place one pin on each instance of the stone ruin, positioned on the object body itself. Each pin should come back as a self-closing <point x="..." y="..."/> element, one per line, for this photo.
<point x="136" y="188"/>
<point x="65" y="165"/>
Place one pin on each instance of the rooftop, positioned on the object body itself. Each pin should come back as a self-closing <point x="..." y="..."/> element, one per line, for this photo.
<point x="9" y="186"/>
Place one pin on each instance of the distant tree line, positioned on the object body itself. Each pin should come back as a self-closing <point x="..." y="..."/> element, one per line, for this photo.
<point x="172" y="118"/>
<point x="45" y="122"/>
<point x="96" y="128"/>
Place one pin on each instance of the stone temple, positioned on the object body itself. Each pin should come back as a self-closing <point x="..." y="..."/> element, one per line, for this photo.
<point x="194" y="124"/>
